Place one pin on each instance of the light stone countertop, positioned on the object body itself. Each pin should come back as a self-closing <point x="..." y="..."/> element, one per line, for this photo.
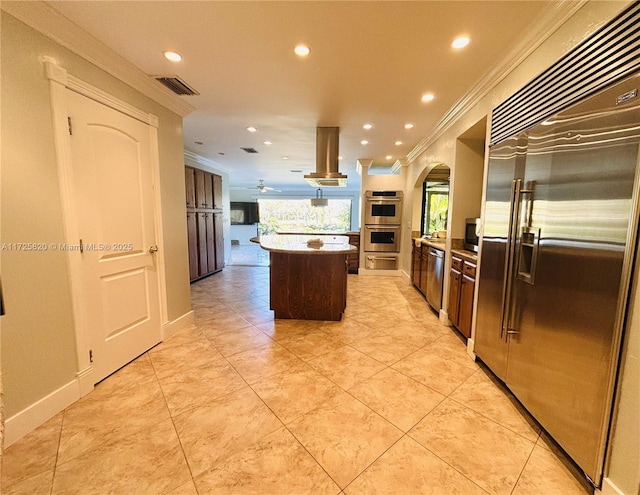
<point x="297" y="244"/>
<point x="470" y="256"/>
<point x="440" y="244"/>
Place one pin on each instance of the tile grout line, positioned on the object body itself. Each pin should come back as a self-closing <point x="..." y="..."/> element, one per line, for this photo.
<point x="175" y="429"/>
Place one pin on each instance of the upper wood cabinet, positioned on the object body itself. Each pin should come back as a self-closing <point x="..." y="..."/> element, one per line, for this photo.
<point x="190" y="184"/>
<point x="217" y="192"/>
<point x="204" y="189"/>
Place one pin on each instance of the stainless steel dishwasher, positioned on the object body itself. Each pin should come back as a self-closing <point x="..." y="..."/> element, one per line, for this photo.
<point x="435" y="270"/>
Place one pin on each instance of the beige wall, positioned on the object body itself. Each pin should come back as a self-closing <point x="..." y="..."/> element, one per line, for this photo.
<point x="624" y="469"/>
<point x="38" y="346"/>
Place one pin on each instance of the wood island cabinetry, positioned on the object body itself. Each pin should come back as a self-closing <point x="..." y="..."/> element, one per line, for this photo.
<point x="307" y="283"/>
<point x="462" y="281"/>
<point x="204" y="222"/>
<point x="353" y="259"/>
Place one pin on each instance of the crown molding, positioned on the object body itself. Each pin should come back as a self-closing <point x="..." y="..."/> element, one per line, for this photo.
<point x="46" y="20"/>
<point x="203" y="160"/>
<point x="547" y="23"/>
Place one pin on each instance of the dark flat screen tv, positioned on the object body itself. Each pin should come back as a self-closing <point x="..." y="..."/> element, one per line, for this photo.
<point x="244" y="213"/>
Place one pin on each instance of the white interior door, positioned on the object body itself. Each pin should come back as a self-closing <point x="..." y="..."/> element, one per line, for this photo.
<point x="111" y="178"/>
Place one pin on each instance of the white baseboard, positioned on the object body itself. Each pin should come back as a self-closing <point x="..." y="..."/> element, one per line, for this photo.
<point x="443" y="317"/>
<point x="470" y="347"/>
<point x="27" y="420"/>
<point x="609" y="488"/>
<point x="85" y="380"/>
<point x="379" y="273"/>
<point x="172" y="327"/>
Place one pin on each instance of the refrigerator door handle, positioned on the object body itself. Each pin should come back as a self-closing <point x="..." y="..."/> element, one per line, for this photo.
<point x="512" y="258"/>
<point x="516" y="185"/>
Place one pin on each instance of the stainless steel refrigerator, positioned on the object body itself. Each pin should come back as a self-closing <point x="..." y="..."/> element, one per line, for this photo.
<point x="559" y="232"/>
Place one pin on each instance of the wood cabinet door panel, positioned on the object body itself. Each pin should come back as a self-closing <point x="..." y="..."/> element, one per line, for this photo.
<point x="200" y="188"/>
<point x="454" y="297"/>
<point x="203" y="266"/>
<point x="210" y="240"/>
<point x="415" y="265"/>
<point x="192" y="233"/>
<point x="190" y="186"/>
<point x="218" y="240"/>
<point x="217" y="191"/>
<point x="208" y="190"/>
<point x="424" y="269"/>
<point x="467" y="287"/>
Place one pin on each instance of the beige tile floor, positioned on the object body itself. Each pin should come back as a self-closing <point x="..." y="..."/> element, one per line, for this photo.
<point x="384" y="402"/>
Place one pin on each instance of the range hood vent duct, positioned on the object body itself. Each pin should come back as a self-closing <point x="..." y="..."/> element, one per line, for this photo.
<point x="326" y="174"/>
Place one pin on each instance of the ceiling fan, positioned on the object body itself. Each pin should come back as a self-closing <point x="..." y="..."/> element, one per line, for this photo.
<point x="262" y="188"/>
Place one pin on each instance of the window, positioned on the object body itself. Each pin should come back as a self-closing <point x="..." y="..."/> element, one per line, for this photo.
<point x="435" y="206"/>
<point x="297" y="215"/>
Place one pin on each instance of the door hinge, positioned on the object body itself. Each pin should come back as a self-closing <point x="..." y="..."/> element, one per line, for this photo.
<point x="90" y="355"/>
<point x="70" y="126"/>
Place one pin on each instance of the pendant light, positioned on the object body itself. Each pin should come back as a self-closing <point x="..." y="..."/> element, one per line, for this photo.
<point x="319" y="200"/>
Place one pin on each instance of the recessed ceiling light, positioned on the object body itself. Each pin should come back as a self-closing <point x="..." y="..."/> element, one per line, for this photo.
<point x="285" y="157"/>
<point x="409" y="126"/>
<point x="427" y="97"/>
<point x="388" y="157"/>
<point x="339" y="158"/>
<point x="364" y="142"/>
<point x="460" y="42"/>
<point x="398" y="143"/>
<point x="367" y="126"/>
<point x="173" y="56"/>
<point x="302" y="50"/>
<point x="251" y="129"/>
<point x="267" y="142"/>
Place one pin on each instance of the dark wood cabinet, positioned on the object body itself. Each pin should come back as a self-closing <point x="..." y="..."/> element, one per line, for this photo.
<point x="455" y="277"/>
<point x="192" y="232"/>
<point x="308" y="286"/>
<point x="353" y="259"/>
<point x="218" y="240"/>
<point x="424" y="269"/>
<point x="217" y="192"/>
<point x="416" y="252"/>
<point x="201" y="196"/>
<point x="204" y="222"/>
<point x="190" y="185"/>
<point x="210" y="265"/>
<point x="462" y="280"/>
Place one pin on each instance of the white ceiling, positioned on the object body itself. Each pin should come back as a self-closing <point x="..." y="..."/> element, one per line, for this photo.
<point x="370" y="62"/>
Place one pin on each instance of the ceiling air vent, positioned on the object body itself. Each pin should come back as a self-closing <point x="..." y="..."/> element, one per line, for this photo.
<point x="249" y="150"/>
<point x="177" y="85"/>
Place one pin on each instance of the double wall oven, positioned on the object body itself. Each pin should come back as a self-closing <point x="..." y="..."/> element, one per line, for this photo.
<point x="381" y="233"/>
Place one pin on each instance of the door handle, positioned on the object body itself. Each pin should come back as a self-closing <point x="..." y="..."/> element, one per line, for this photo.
<point x="153" y="249"/>
<point x="514" y="211"/>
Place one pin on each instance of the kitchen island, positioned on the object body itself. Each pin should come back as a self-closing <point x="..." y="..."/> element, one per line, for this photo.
<point x="307" y="281"/>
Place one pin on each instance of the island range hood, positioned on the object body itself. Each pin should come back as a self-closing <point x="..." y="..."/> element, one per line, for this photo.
<point x="326" y="174"/>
